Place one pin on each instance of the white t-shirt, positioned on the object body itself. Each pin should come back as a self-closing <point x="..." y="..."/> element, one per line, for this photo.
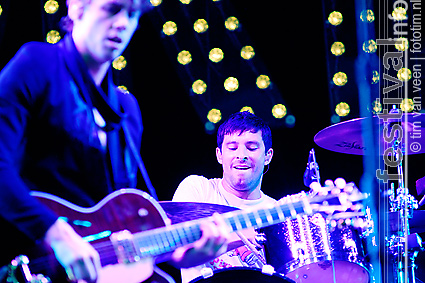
<point x="200" y="189"/>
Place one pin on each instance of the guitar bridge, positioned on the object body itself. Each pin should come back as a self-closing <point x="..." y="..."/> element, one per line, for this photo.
<point x="124" y="247"/>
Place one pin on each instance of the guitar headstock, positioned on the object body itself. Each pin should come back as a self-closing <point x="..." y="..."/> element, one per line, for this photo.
<point x="340" y="201"/>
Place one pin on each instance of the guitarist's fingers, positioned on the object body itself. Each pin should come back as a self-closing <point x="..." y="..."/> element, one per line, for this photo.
<point x="178" y="254"/>
<point x="70" y="274"/>
<point x="82" y="269"/>
<point x="222" y="239"/>
<point x="223" y="229"/>
<point x="212" y="244"/>
<point x="210" y="233"/>
<point x="215" y="234"/>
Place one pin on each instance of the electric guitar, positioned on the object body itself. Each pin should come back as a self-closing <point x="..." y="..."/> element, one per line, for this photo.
<point x="128" y="229"/>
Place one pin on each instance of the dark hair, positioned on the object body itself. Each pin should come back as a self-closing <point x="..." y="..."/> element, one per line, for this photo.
<point x="243" y="122"/>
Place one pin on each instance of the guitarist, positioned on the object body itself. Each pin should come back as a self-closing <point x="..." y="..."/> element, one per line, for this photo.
<point x="61" y="129"/>
<point x="244" y="148"/>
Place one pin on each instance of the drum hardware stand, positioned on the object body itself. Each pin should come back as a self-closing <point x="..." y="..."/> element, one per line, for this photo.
<point x="19" y="268"/>
<point x="403" y="246"/>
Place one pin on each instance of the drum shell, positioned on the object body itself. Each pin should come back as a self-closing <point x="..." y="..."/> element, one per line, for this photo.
<point x="309" y="240"/>
<point x="242" y="275"/>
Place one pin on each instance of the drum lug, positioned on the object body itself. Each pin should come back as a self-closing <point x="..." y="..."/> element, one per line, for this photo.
<point x="207" y="272"/>
<point x="267" y="269"/>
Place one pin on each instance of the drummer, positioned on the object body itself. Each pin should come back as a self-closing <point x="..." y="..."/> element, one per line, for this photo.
<point x="244" y="149"/>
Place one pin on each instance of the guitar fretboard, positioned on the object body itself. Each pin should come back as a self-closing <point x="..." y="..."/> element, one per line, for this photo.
<point x="167" y="239"/>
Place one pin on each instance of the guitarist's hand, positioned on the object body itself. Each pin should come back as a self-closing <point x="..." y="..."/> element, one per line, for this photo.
<point x="212" y="244"/>
<point x="80" y="260"/>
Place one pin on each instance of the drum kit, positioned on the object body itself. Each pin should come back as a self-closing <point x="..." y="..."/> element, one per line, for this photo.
<point x="308" y="249"/>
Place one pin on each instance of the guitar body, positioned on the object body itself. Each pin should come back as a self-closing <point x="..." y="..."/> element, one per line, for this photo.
<point x="127" y="229"/>
<point x="127" y="209"/>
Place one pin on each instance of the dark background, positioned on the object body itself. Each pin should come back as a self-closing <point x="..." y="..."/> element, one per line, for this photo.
<point x="291" y="45"/>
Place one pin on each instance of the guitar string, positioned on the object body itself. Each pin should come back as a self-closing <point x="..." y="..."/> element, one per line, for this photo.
<point x="108" y="253"/>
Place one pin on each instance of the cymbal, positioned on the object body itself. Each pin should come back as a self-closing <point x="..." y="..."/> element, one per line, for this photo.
<point x="346" y="137"/>
<point x="416" y="223"/>
<point x="185" y="211"/>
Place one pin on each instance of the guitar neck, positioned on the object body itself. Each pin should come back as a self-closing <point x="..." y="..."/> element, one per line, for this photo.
<point x="168" y="238"/>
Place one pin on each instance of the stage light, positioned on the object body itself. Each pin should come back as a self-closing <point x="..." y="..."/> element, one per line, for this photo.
<point x="212" y="81"/>
<point x="367" y="16"/>
<point x="51" y="6"/>
<point x="404" y="74"/>
<point x="342" y="109"/>
<point x="169" y="28"/>
<point x="403" y="45"/>
<point x="1" y="10"/>
<point x="337" y="48"/>
<point x="375" y="77"/>
<point x="216" y="55"/>
<point x="231" y="23"/>
<point x="263" y="81"/>
<point x="186" y="1"/>
<point x="340" y="79"/>
<point x="199" y="87"/>
<point x="335" y="18"/>
<point x="214" y="115"/>
<point x="407" y="105"/>
<point x="279" y="111"/>
<point x="119" y="63"/>
<point x="123" y="88"/>
<point x="247" y="52"/>
<point x="290" y="121"/>
<point x="53" y="36"/>
<point x="335" y="119"/>
<point x="156" y="3"/>
<point x="247" y="108"/>
<point x="376" y="107"/>
<point x="184" y="57"/>
<point x="231" y="84"/>
<point x="200" y="26"/>
<point x="209" y="127"/>
<point x="399" y="14"/>
<point x="370" y="46"/>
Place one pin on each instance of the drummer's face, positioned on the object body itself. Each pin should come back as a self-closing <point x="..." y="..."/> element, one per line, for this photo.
<point x="243" y="158"/>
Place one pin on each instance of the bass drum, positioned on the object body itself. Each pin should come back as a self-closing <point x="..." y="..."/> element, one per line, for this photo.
<point x="242" y="275"/>
<point x="306" y="249"/>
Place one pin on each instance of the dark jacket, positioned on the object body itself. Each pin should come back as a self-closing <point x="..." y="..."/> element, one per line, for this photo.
<point x="49" y="141"/>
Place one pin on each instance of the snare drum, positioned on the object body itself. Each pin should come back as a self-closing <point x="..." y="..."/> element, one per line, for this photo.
<point x="242" y="275"/>
<point x="306" y="249"/>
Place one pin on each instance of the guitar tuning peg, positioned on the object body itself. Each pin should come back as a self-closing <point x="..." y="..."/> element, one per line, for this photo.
<point x="348" y="188"/>
<point x="358" y="223"/>
<point x="356" y="207"/>
<point x="335" y="191"/>
<point x="329" y="183"/>
<point x="340" y="183"/>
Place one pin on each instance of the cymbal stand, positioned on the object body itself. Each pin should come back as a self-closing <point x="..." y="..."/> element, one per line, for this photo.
<point x="402" y="246"/>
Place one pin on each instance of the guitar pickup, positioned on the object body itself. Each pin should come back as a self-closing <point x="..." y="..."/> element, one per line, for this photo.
<point x="125" y="249"/>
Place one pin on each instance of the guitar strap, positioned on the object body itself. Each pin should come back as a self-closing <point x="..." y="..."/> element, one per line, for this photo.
<point x="137" y="157"/>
